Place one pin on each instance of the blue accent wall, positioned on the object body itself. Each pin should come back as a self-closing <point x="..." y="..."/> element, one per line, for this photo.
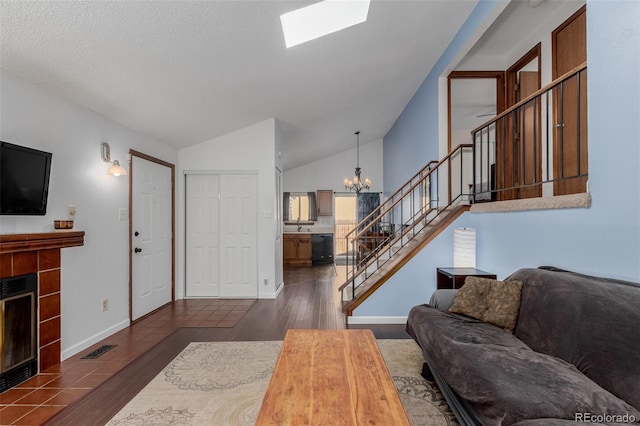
<point x="601" y="240"/>
<point x="416" y="130"/>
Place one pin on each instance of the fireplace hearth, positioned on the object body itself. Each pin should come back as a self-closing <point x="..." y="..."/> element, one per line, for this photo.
<point x="18" y="329"/>
<point x="36" y="254"/>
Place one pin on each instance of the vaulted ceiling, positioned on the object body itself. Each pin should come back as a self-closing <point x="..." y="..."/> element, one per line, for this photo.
<point x="188" y="71"/>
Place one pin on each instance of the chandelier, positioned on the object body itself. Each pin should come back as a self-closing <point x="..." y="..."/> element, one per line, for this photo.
<point x="357" y="184"/>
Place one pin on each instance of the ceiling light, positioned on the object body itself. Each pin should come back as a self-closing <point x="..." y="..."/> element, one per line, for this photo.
<point x="357" y="184"/>
<point x="320" y="19"/>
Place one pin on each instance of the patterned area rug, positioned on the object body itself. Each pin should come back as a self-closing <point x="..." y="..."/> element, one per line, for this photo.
<point x="222" y="383"/>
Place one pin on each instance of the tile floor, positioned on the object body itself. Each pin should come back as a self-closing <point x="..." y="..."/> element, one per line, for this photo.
<point x="38" y="399"/>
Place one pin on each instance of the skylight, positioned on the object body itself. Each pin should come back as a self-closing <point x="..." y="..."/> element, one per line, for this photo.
<point x="320" y="19"/>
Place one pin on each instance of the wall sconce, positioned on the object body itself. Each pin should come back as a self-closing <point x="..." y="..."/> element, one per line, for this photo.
<point x="116" y="169"/>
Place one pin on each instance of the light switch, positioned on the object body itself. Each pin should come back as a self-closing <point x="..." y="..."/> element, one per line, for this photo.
<point x="265" y="213"/>
<point x="123" y="214"/>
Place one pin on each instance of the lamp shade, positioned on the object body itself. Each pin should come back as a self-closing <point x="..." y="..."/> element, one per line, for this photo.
<point x="464" y="248"/>
<point x="117" y="169"/>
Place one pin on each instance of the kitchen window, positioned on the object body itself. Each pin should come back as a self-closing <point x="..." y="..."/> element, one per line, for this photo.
<point x="300" y="207"/>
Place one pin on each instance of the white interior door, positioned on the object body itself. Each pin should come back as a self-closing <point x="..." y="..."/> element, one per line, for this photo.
<point x="151" y="260"/>
<point x="203" y="237"/>
<point x="222" y="237"/>
<point x="238" y="236"/>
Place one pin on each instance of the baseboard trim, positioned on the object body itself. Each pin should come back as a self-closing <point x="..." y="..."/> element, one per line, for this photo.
<point x="79" y="347"/>
<point x="376" y="320"/>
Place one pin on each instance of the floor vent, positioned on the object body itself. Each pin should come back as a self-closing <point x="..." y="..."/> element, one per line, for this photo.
<point x="98" y="352"/>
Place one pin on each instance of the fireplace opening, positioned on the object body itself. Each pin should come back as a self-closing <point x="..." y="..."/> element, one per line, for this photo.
<point x="18" y="325"/>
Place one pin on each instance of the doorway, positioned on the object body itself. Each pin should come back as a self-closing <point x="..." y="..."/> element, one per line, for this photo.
<point x="569" y="50"/>
<point x="345" y="212"/>
<point x="474" y="97"/>
<point x="151" y="241"/>
<point x="521" y="150"/>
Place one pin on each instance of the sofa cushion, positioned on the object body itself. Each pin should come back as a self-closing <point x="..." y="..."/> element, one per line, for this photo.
<point x="492" y="301"/>
<point x="500" y="377"/>
<point x="503" y="304"/>
<point x="471" y="299"/>
<point x="590" y="322"/>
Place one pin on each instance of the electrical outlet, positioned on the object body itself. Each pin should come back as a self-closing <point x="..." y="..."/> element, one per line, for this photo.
<point x="266" y="281"/>
<point x="105" y="305"/>
<point x="71" y="211"/>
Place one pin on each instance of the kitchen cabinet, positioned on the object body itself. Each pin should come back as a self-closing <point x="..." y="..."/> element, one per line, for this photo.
<point x="324" y="201"/>
<point x="296" y="249"/>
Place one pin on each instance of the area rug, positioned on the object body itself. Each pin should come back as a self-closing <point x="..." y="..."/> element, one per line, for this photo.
<point x="223" y="383"/>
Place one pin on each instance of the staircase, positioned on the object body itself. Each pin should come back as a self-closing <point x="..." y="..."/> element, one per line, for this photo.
<point x="404" y="223"/>
<point x="541" y="140"/>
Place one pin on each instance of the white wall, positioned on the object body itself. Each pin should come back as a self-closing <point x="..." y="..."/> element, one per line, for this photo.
<point x="329" y="172"/>
<point x="99" y="269"/>
<point x="250" y="149"/>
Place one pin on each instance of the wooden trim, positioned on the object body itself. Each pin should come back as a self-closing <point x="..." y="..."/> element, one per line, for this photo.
<point x="13" y="243"/>
<point x="554" y="34"/>
<point x="152" y="159"/>
<point x="535" y="52"/>
<point x="499" y="76"/>
<point x="505" y="158"/>
<point x="172" y="167"/>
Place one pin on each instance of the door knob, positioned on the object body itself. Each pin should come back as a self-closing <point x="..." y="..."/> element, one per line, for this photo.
<point x="137" y="250"/>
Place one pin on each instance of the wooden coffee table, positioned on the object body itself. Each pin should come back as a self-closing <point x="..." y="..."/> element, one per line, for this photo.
<point x="329" y="377"/>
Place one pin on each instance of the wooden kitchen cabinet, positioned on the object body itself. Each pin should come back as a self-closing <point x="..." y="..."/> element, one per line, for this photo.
<point x="324" y="201"/>
<point x="296" y="249"/>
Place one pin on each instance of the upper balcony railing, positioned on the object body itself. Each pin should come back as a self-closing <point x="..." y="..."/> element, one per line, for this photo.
<point x="538" y="147"/>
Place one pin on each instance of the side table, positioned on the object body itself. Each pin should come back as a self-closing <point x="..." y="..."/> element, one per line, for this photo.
<point x="454" y="277"/>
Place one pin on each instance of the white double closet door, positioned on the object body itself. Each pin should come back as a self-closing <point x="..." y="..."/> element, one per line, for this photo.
<point x="221" y="235"/>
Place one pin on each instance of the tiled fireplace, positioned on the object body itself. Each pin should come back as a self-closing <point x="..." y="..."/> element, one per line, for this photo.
<point x="22" y="254"/>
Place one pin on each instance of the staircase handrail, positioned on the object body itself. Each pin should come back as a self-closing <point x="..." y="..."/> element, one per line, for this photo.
<point x="365" y="221"/>
<point x="399" y="191"/>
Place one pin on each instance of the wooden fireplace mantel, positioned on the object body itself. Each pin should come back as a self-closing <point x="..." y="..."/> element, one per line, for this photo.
<point x="13" y="243"/>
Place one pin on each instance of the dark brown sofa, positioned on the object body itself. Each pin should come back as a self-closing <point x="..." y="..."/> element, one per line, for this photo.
<point x="574" y="353"/>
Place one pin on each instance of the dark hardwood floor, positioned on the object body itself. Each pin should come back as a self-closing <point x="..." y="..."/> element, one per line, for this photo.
<point x="309" y="300"/>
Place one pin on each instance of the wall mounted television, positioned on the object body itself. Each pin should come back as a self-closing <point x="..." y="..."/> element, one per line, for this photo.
<point x="24" y="180"/>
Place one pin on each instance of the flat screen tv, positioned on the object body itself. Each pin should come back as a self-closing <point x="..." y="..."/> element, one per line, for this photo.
<point x="24" y="180"/>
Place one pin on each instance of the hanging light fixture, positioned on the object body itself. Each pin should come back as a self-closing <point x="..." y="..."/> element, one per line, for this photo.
<point x="357" y="184"/>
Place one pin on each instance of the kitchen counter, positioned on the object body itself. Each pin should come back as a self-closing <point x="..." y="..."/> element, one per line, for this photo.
<point x="308" y="230"/>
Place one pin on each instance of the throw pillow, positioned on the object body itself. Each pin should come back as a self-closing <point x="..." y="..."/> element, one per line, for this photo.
<point x="471" y="299"/>
<point x="503" y="304"/>
<point x="492" y="301"/>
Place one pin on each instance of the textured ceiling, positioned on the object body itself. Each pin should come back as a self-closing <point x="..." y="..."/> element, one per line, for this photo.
<point x="188" y="71"/>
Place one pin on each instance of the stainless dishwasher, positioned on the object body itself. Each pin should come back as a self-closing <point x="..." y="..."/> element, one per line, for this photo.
<point x="322" y="248"/>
